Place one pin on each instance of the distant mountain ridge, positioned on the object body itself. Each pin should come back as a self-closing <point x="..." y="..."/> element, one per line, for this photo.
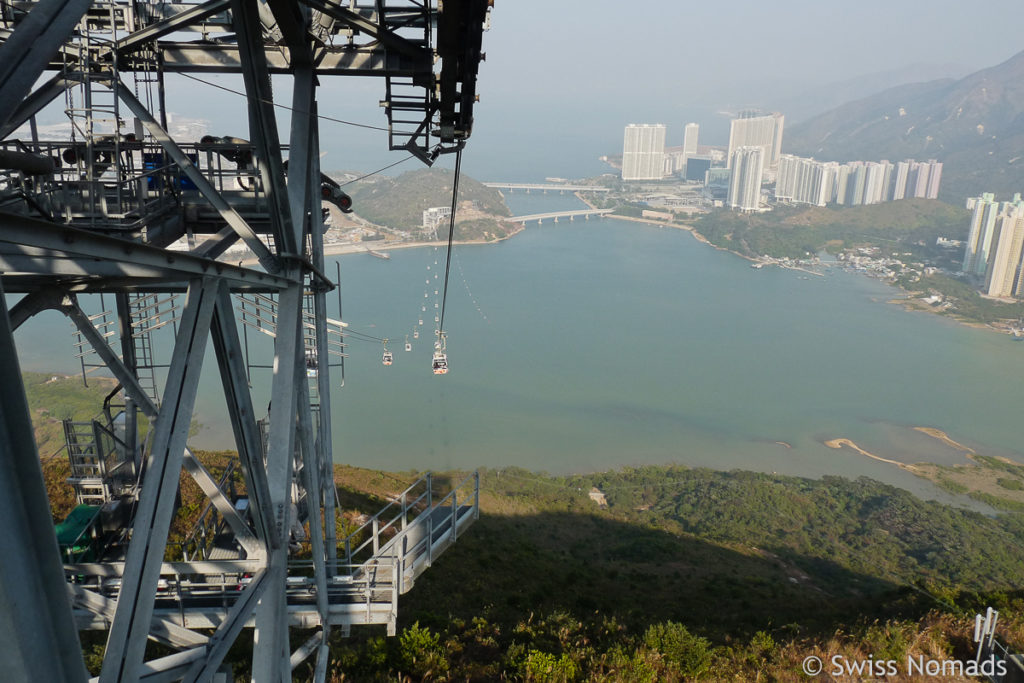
<point x="974" y="125"/>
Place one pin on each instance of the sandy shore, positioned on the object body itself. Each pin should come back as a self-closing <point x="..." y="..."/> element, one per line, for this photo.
<point x="839" y="443"/>
<point x="944" y="438"/>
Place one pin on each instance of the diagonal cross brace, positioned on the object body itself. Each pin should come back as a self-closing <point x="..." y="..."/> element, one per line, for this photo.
<point x="163" y="630"/>
<point x="129" y="632"/>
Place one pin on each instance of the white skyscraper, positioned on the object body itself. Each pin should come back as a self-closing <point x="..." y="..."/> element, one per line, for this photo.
<point x="1006" y="257"/>
<point x="899" y="184"/>
<point x="747" y="164"/>
<point x="764" y="131"/>
<point x="690" y="140"/>
<point x="643" y="152"/>
<point x="979" y="239"/>
<point x="934" y="177"/>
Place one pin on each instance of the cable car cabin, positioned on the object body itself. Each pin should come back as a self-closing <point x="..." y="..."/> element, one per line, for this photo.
<point x="388" y="358"/>
<point x="408" y="346"/>
<point x="440" y="364"/>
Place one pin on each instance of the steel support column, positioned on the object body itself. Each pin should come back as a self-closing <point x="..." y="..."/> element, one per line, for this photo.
<point x="270" y="649"/>
<point x="37" y="631"/>
<point x="325" y="452"/>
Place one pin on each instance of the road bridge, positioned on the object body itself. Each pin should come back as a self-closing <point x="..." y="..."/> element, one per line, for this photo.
<point x="545" y="187"/>
<point x="571" y="215"/>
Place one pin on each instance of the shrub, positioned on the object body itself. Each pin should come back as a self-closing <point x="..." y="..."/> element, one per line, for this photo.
<point x="688" y="654"/>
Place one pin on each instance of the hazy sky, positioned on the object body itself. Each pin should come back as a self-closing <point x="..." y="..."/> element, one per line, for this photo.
<point x="562" y="77"/>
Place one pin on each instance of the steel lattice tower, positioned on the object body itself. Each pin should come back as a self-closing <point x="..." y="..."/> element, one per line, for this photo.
<point x="96" y="213"/>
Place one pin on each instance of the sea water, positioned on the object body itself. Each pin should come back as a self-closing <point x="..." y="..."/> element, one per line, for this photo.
<point x="589" y="345"/>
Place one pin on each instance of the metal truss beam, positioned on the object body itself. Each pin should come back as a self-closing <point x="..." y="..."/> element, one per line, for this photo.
<point x="124" y="375"/>
<point x="33" y="103"/>
<point x="253" y="548"/>
<point x="311" y="476"/>
<point x="37" y="634"/>
<point x="359" y="61"/>
<point x="240" y="412"/>
<point x="270" y="660"/>
<point x="27" y="52"/>
<point x="263" y="124"/>
<point x="301" y="154"/>
<point x="292" y="21"/>
<point x="128" y="634"/>
<point x="193" y="15"/>
<point x="49" y="248"/>
<point x="366" y="25"/>
<point x="161" y="629"/>
<point x="227" y="632"/>
<point x="29" y="305"/>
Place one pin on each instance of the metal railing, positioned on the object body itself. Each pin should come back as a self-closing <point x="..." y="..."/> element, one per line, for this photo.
<point x="414" y="529"/>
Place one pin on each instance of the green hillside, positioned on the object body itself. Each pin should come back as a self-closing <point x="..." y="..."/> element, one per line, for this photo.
<point x="399" y="203"/>
<point x="691" y="574"/>
<point x="793" y="232"/>
<point x="974" y="125"/>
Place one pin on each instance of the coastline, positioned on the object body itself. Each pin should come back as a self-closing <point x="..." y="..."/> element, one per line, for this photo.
<point x="336" y="249"/>
<point x="840" y="443"/>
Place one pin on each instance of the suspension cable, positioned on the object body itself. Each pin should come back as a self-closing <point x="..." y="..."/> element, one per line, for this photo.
<point x="451" y="235"/>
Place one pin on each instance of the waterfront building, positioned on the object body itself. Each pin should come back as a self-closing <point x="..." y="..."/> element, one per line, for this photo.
<point x="979" y="237"/>
<point x="1002" y="278"/>
<point x="747" y="169"/>
<point x="435" y="217"/>
<point x="753" y="129"/>
<point x="643" y="152"/>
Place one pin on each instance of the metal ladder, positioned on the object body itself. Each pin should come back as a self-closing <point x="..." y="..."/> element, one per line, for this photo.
<point x="88" y="469"/>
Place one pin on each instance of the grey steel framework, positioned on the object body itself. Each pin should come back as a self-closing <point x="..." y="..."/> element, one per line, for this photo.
<point x="96" y="212"/>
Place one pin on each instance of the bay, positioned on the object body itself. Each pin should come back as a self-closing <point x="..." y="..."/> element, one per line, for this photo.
<point x="589" y="345"/>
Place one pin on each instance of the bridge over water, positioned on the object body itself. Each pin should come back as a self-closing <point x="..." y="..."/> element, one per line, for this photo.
<point x="571" y="215"/>
<point x="545" y="187"/>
